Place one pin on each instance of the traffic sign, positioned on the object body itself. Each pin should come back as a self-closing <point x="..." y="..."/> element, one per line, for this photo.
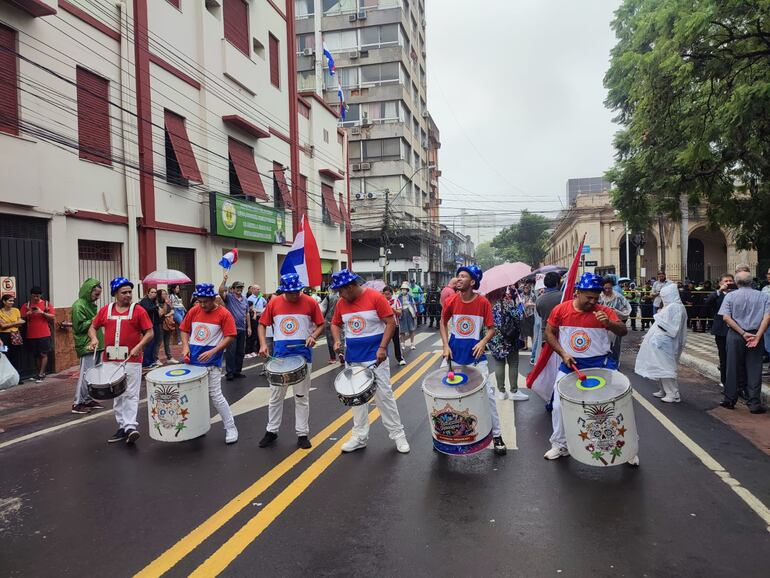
<point x="8" y="286"/>
<point x="592" y="263"/>
<point x="586" y="249"/>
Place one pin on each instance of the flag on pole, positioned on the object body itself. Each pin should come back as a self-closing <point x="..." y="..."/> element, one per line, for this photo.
<point x="328" y="55"/>
<point x="303" y="257"/>
<point x="542" y="378"/>
<point x="343" y="106"/>
<point x="229" y="259"/>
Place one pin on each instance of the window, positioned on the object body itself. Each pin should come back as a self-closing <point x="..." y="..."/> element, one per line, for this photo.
<point x="347" y="76"/>
<point x="9" y="71"/>
<point x="326" y="136"/>
<point x="100" y="260"/>
<point x="354" y="150"/>
<point x="379" y="73"/>
<point x="275" y="62"/>
<point x="181" y="166"/>
<point x="374" y="36"/>
<point x="236" y="18"/>
<point x="245" y="181"/>
<point x="174" y="3"/>
<point x="306" y="80"/>
<point x="341" y="40"/>
<point x="305" y="41"/>
<point x="382" y="149"/>
<point x="331" y="212"/>
<point x="332" y="6"/>
<point x="93" y="117"/>
<point x="281" y="193"/>
<point x="304" y="8"/>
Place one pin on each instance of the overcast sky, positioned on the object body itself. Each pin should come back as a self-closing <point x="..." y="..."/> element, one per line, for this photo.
<point x="515" y="87"/>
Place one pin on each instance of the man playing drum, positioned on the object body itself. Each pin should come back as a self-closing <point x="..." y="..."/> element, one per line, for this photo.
<point x="578" y="331"/>
<point x="291" y="316"/>
<point x="127" y="330"/>
<point x="367" y="319"/>
<point x="468" y="313"/>
<point x="206" y="331"/>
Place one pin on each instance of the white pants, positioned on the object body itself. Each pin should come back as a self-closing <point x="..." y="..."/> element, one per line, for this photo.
<point x="386" y="403"/>
<point x="301" y="406"/>
<point x="483" y="367"/>
<point x="219" y="401"/>
<point x="81" y="389"/>
<point x="558" y="437"/>
<point x="126" y="405"/>
<point x="670" y="387"/>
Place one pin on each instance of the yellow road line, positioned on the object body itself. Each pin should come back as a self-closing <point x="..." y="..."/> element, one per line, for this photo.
<point x="759" y="508"/>
<point x="233" y="548"/>
<point x="187" y="544"/>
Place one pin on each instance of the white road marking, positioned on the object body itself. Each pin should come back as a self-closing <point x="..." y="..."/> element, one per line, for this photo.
<point x="507" y="423"/>
<point x="750" y="499"/>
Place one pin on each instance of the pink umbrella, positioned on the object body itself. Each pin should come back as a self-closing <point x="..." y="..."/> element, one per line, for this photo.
<point x="166" y="277"/>
<point x="376" y="284"/>
<point x="503" y="276"/>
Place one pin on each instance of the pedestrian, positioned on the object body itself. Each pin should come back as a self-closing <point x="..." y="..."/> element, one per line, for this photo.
<point x="168" y="327"/>
<point x="578" y="331"/>
<point x="418" y="296"/>
<point x="448" y="291"/>
<point x="328" y="307"/>
<point x="545" y="303"/>
<point x="747" y="313"/>
<point x="367" y="320"/>
<point x="38" y="314"/>
<point x="150" y="304"/>
<point x="10" y="326"/>
<point x="659" y="354"/>
<point x="474" y="313"/>
<point x="257" y="304"/>
<point x="395" y="305"/>
<point x="175" y="301"/>
<point x="656" y="287"/>
<point x="84" y="310"/>
<point x="128" y="331"/>
<point x="504" y="344"/>
<point x="616" y="301"/>
<point x="433" y="307"/>
<point x="206" y="332"/>
<point x="408" y="320"/>
<point x="297" y="322"/>
<point x="719" y="328"/>
<point x="238" y="306"/>
<point x="527" y="301"/>
<point x="633" y="299"/>
<point x="646" y="307"/>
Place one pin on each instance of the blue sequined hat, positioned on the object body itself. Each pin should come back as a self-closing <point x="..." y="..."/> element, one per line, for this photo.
<point x="290" y="283"/>
<point x="343" y="277"/>
<point x="204" y="290"/>
<point x="119" y="282"/>
<point x="589" y="282"/>
<point x="474" y="271"/>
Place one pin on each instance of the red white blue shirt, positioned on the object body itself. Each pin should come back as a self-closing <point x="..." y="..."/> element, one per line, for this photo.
<point x="207" y="330"/>
<point x="292" y="324"/>
<point x="364" y="325"/>
<point x="467" y="322"/>
<point x="581" y="334"/>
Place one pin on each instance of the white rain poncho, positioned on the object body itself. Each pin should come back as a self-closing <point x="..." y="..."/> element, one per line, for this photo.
<point x="662" y="346"/>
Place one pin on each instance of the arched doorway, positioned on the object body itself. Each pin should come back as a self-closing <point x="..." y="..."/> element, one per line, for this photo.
<point x="706" y="255"/>
<point x="695" y="263"/>
<point x="645" y="247"/>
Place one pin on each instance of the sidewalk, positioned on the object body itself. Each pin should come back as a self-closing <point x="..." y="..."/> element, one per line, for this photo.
<point x="700" y="353"/>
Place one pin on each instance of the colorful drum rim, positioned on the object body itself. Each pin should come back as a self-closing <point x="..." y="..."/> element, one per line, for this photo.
<point x="178" y="372"/>
<point x="596" y="383"/>
<point x="463" y="449"/>
<point x="459" y="379"/>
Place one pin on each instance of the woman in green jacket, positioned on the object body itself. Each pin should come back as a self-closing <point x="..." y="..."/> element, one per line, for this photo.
<point x="83" y="312"/>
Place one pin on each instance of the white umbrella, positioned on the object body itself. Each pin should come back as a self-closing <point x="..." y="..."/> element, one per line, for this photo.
<point x="167" y="277"/>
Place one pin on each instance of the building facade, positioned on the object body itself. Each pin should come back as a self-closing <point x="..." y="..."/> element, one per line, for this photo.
<point x="378" y="47"/>
<point x="160" y="134"/>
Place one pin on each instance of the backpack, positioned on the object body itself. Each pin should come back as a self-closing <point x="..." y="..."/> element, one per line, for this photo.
<point x="511" y="330"/>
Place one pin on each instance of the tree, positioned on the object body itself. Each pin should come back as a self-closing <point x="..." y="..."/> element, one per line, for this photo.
<point x="486" y="256"/>
<point x="690" y="83"/>
<point x="524" y="241"/>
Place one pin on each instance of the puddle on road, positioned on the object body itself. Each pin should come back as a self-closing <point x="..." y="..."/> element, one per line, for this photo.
<point x="9" y="511"/>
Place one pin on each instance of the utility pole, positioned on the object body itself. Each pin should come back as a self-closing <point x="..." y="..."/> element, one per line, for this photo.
<point x="384" y="238"/>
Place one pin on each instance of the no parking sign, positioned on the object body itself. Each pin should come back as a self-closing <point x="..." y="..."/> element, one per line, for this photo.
<point x="8" y="286"/>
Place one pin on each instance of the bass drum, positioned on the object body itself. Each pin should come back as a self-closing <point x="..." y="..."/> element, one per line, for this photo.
<point x="178" y="402"/>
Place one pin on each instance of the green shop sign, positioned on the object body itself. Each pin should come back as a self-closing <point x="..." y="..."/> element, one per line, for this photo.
<point x="238" y="219"/>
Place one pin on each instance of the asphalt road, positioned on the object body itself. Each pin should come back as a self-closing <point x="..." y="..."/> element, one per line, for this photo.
<point x="72" y="505"/>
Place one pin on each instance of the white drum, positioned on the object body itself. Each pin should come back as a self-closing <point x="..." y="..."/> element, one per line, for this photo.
<point x="458" y="410"/>
<point x="178" y="402"/>
<point x="599" y="417"/>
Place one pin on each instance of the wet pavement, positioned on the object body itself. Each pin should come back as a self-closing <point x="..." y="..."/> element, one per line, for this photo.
<point x="72" y="505"/>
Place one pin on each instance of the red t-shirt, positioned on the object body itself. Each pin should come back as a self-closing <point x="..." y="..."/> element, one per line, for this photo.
<point x="363" y="323"/>
<point x="468" y="320"/>
<point x="130" y="331"/>
<point x="292" y="324"/>
<point x="581" y="334"/>
<point x="207" y="329"/>
<point x="37" y="324"/>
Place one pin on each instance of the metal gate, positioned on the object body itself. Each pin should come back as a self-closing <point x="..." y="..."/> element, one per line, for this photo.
<point x="101" y="260"/>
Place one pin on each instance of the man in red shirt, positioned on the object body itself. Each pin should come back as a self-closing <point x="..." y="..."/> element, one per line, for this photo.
<point x="127" y="330"/>
<point x="207" y="330"/>
<point x="38" y="314"/>
<point x="448" y="291"/>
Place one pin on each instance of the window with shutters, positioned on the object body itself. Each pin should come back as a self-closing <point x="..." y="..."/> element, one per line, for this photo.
<point x="275" y="62"/>
<point x="175" y="3"/>
<point x="93" y="93"/>
<point x="181" y="166"/>
<point x="236" y="20"/>
<point x="9" y="87"/>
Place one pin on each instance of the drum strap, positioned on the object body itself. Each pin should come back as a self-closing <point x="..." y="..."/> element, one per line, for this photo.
<point x="119" y="319"/>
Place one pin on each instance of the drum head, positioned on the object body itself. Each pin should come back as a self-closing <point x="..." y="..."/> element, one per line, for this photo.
<point x="285" y="364"/>
<point x="353" y="380"/>
<point x="181" y="373"/>
<point x="601" y="385"/>
<point x="104" y="375"/>
<point x="467" y="379"/>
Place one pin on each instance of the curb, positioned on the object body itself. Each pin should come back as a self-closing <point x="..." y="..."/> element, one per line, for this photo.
<point x="710" y="371"/>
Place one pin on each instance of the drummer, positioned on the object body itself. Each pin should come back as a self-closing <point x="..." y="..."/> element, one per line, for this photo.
<point x="127" y="330"/>
<point x="291" y="314"/>
<point x="367" y="319"/>
<point x="578" y="331"/>
<point x="468" y="313"/>
<point x="206" y="332"/>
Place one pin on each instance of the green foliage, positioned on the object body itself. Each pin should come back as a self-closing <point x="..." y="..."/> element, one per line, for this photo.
<point x="524" y="241"/>
<point x="486" y="256"/>
<point x="690" y="83"/>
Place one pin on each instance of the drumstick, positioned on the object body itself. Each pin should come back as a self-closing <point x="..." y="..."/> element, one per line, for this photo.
<point x="581" y="376"/>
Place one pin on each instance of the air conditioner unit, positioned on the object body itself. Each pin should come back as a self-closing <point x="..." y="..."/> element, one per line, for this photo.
<point x="355" y="130"/>
<point x="365" y="119"/>
<point x="353" y="54"/>
<point x="355" y="167"/>
<point x="370" y="195"/>
<point x="353" y="17"/>
<point x="307" y="52"/>
<point x="359" y="196"/>
<point x="364" y="53"/>
<point x="425" y="114"/>
<point x="362" y="14"/>
<point x="366" y="167"/>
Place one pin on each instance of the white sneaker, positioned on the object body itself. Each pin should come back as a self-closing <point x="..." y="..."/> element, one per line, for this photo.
<point x="555" y="453"/>
<point x="402" y="445"/>
<point x="519" y="396"/>
<point x="669" y="399"/>
<point x="352" y="445"/>
<point x="231" y="435"/>
<point x="402" y="362"/>
<point x="660" y="393"/>
<point x="412" y="348"/>
<point x="501" y="395"/>
<point x="633" y="461"/>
